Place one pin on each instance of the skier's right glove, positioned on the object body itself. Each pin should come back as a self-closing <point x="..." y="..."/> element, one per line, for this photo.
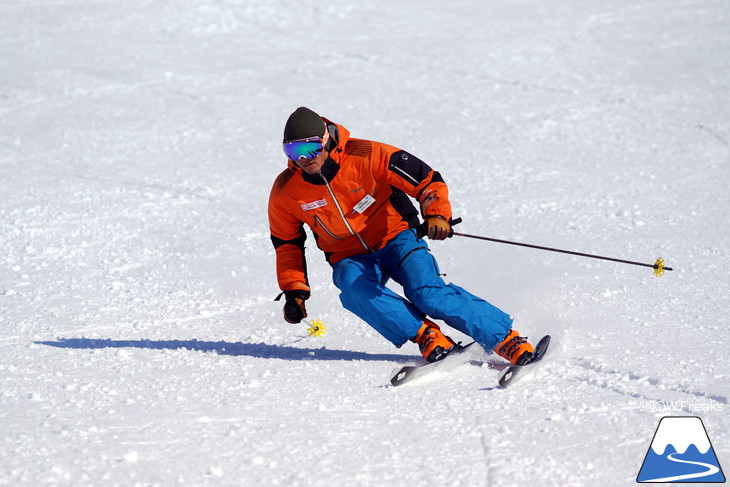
<point x="294" y="309"/>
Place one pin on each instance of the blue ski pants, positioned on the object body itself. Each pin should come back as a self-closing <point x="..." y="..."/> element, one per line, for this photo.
<point x="407" y="260"/>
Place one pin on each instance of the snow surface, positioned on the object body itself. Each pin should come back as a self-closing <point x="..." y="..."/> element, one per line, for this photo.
<point x="138" y="142"/>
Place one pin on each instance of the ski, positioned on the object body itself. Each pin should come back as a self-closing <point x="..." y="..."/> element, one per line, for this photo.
<point x="408" y="373"/>
<point x="514" y="372"/>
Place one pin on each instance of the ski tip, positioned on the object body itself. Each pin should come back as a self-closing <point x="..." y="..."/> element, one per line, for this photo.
<point x="542" y="346"/>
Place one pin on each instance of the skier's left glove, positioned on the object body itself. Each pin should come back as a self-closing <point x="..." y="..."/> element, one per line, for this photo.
<point x="294" y="309"/>
<point x="438" y="228"/>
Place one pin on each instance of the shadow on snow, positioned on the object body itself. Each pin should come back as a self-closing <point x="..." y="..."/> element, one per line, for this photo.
<point x="257" y="350"/>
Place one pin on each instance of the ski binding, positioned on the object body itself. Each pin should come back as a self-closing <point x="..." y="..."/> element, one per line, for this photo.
<point x="512" y="373"/>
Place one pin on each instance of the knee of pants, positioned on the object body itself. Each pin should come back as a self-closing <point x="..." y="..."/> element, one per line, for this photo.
<point x="344" y="274"/>
<point x="428" y="299"/>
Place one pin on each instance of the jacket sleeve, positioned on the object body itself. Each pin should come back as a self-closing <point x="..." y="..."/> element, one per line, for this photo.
<point x="288" y="237"/>
<point x="416" y="178"/>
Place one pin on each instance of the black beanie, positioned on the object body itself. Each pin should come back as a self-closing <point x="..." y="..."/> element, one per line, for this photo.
<point x="303" y="123"/>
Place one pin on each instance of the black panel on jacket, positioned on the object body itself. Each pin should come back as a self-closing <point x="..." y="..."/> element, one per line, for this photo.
<point x="409" y="167"/>
<point x="299" y="241"/>
<point x="403" y="205"/>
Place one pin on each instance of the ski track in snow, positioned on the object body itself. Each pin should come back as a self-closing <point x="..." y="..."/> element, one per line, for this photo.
<point x="138" y="142"/>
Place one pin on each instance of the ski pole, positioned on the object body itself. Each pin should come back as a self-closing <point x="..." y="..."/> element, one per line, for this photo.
<point x="658" y="266"/>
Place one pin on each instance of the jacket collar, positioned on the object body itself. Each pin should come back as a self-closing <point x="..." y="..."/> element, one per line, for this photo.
<point x="329" y="171"/>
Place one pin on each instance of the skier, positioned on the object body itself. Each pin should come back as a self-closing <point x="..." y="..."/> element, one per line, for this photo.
<point x="353" y="195"/>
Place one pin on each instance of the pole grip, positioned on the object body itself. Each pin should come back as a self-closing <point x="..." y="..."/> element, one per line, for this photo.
<point x="422" y="229"/>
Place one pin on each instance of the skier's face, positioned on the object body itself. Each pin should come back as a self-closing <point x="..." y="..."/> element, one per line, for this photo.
<point x="312" y="166"/>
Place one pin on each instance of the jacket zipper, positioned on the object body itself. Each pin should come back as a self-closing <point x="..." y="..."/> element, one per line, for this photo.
<point x="321" y="224"/>
<point x="342" y="214"/>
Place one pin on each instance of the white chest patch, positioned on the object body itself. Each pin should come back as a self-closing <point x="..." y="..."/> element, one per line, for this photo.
<point x="314" y="205"/>
<point x="364" y="203"/>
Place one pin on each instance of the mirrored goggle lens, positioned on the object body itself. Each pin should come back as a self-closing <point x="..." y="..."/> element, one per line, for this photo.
<point x="303" y="149"/>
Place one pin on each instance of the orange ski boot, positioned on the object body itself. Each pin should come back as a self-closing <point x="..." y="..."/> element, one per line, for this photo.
<point x="434" y="345"/>
<point x="515" y="348"/>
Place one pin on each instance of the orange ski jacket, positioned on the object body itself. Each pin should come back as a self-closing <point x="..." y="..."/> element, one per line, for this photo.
<point x="356" y="204"/>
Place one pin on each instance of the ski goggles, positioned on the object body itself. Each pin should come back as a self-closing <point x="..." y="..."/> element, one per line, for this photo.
<point x="307" y="148"/>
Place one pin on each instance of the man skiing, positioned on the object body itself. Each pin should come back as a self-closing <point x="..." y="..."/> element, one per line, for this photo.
<point x="354" y="196"/>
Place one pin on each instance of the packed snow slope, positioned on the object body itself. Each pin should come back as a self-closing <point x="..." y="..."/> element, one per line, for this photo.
<point x="140" y="341"/>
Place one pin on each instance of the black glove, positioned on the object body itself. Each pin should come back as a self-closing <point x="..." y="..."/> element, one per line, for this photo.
<point x="294" y="309"/>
